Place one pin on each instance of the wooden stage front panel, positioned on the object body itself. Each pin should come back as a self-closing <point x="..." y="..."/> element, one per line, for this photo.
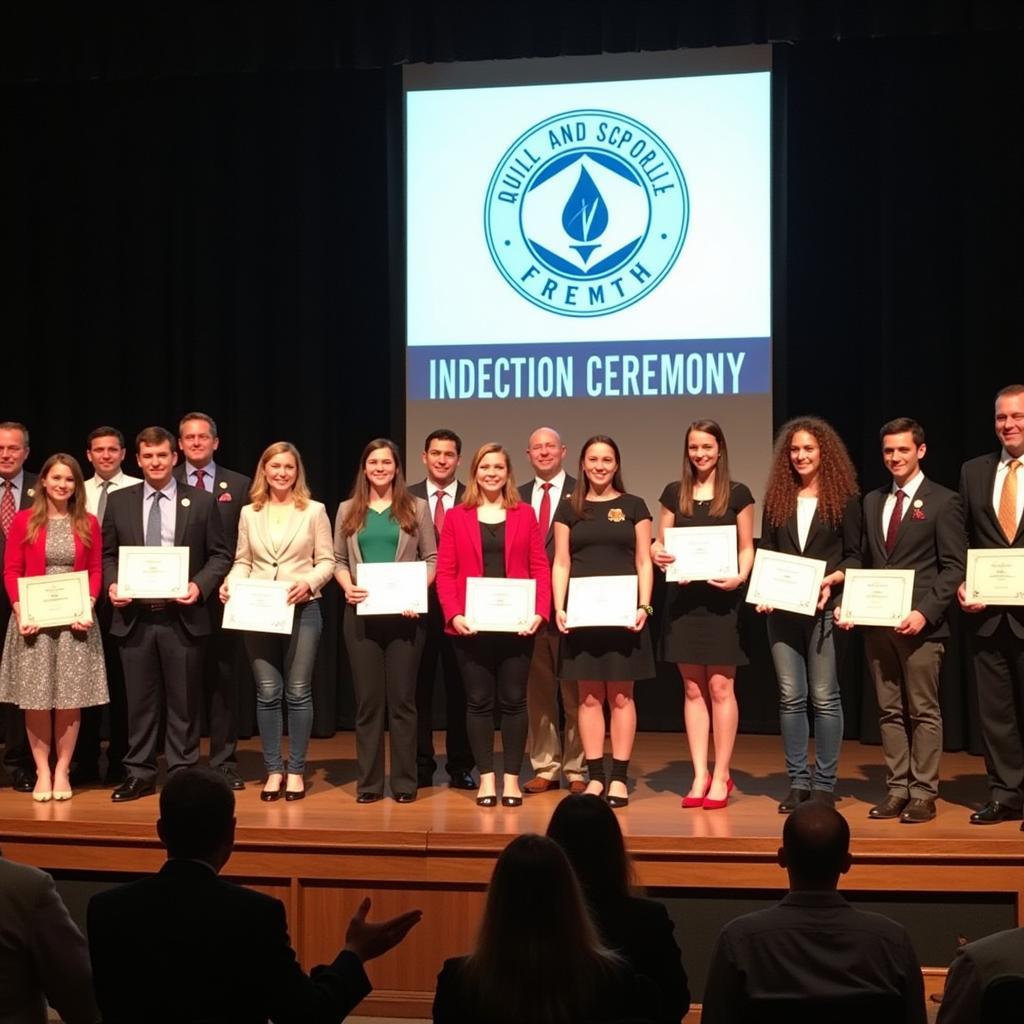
<point x="321" y="855"/>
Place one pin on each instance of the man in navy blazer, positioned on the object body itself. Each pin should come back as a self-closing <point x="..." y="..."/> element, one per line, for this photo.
<point x="199" y="439"/>
<point x="992" y="490"/>
<point x="912" y="523"/>
<point x="162" y="640"/>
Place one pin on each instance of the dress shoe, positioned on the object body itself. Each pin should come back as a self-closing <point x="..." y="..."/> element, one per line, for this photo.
<point x="23" y="780"/>
<point x="404" y="798"/>
<point x="539" y="785"/>
<point x="131" y="789"/>
<point x="824" y="796"/>
<point x="291" y="795"/>
<point x="918" y="811"/>
<point x="487" y="801"/>
<point x="42" y="797"/>
<point x="461" y="780"/>
<point x="369" y="798"/>
<point x="993" y="812"/>
<point x="890" y="807"/>
<point x="268" y="796"/>
<point x="62" y="794"/>
<point x="230" y="772"/>
<point x="511" y="801"/>
<point x="793" y="799"/>
<point x="717" y="805"/>
<point x="577" y="786"/>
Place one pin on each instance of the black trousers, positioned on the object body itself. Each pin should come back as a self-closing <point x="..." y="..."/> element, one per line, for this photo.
<point x="17" y="755"/>
<point x="163" y="671"/>
<point x="438" y="652"/>
<point x="495" y="667"/>
<point x="384" y="652"/>
<point x="87" y="749"/>
<point x="221" y="674"/>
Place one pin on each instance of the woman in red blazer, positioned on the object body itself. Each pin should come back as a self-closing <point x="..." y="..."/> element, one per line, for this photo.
<point x="492" y="533"/>
<point x="53" y="672"/>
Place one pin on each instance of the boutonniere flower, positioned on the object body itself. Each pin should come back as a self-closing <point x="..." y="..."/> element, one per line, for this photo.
<point x="223" y="485"/>
<point x="31" y="492"/>
<point x="185" y="502"/>
<point x="616" y="515"/>
<point x="225" y="496"/>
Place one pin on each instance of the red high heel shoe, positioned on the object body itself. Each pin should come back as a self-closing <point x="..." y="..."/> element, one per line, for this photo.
<point x="697" y="801"/>
<point x="717" y="805"/>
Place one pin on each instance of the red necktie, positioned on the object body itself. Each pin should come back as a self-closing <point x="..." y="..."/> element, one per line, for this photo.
<point x="200" y="473"/>
<point x="545" y="509"/>
<point x="439" y="514"/>
<point x="894" y="523"/>
<point x="7" y="507"/>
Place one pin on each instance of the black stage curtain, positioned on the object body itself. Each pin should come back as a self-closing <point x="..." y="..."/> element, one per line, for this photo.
<point x="194" y="229"/>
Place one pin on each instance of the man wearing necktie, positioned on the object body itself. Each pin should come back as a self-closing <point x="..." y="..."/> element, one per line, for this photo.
<point x="161" y="642"/>
<point x="992" y="490"/>
<point x="16" y="493"/>
<point x="912" y="523"/>
<point x="225" y="663"/>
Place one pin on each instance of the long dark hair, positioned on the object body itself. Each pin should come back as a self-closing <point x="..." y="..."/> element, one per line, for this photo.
<point x="579" y="492"/>
<point x="538" y="956"/>
<point x="77" y="514"/>
<point x="403" y="508"/>
<point x="723" y="482"/>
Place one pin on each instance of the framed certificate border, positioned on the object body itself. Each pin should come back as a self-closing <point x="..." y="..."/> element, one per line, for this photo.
<point x="1004" y="567"/>
<point x="66" y="594"/>
<point x="899" y="581"/>
<point x="495" y="605"/>
<point x="171" y="576"/>
<point x="712" y="565"/>
<point x="259" y="606"/>
<point x="611" y="592"/>
<point x="401" y="587"/>
<point x="769" y="585"/>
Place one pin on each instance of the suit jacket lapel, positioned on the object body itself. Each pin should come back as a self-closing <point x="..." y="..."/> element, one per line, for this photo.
<point x="136" y="535"/>
<point x="291" y="528"/>
<point x="793" y="529"/>
<point x="181" y="515"/>
<point x="874" y="517"/>
<point x="988" y="482"/>
<point x="511" y="532"/>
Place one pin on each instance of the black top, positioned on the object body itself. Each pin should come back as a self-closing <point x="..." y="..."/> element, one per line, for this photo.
<point x="492" y="541"/>
<point x="603" y="542"/>
<point x="739" y="498"/>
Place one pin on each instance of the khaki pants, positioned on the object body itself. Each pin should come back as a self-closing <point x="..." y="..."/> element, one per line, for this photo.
<point x="548" y="756"/>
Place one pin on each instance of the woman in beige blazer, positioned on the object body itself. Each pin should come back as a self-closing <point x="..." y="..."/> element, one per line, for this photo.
<point x="383" y="522"/>
<point x="284" y="535"/>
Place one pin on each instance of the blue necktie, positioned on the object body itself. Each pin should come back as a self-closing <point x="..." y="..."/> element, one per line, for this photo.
<point x="154" y="526"/>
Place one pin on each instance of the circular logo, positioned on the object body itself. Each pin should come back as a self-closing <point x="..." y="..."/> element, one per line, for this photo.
<point x="586" y="213"/>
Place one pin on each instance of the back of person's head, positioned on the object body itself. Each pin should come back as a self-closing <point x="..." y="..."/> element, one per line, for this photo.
<point x="538" y="956"/>
<point x="815" y="846"/>
<point x="587" y="829"/>
<point x="197" y="816"/>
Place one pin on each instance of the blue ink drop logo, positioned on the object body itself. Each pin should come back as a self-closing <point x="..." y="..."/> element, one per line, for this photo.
<point x="586" y="213"/>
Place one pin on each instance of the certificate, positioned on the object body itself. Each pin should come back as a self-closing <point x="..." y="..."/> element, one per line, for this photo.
<point x="877" y="597"/>
<point x="500" y="605"/>
<point x="259" y="606"/>
<point x="392" y="587"/>
<point x="56" y="600"/>
<point x="789" y="583"/>
<point x="152" y="572"/>
<point x="702" y="552"/>
<point x="995" y="576"/>
<point x="602" y="601"/>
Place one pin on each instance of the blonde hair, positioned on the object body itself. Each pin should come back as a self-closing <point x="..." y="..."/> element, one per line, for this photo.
<point x="509" y="493"/>
<point x="259" y="492"/>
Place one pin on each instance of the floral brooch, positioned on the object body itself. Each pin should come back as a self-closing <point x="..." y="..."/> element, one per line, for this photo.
<point x="616" y="515"/>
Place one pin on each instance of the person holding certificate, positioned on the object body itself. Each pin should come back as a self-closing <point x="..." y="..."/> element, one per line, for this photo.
<point x="700" y="632"/>
<point x="603" y="531"/>
<point x="52" y="673"/>
<point x="992" y="490"/>
<point x="493" y="534"/>
<point x="284" y="535"/>
<point x="382" y="522"/>
<point x="811" y="510"/>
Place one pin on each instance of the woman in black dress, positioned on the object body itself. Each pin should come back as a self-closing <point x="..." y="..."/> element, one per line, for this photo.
<point x="700" y="633"/>
<point x="603" y="531"/>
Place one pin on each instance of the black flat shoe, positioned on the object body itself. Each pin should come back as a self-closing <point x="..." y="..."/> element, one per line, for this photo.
<point x="294" y="794"/>
<point x="270" y="795"/>
<point x="511" y="801"/>
<point x="615" y="802"/>
<point x="404" y="798"/>
<point x="487" y="801"/>
<point x="369" y="798"/>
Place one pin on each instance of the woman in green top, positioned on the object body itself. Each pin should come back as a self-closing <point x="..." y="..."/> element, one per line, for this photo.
<point x="383" y="522"/>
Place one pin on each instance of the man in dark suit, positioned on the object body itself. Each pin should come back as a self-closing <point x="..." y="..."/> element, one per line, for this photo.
<point x="162" y="640"/>
<point x="17" y="489"/>
<point x="549" y="756"/>
<point x="198" y="440"/>
<point x="912" y="524"/>
<point x="441" y="453"/>
<point x="243" y="970"/>
<point x="992" y="490"/>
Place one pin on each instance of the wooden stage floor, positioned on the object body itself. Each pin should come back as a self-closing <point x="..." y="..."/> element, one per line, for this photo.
<point x="320" y="855"/>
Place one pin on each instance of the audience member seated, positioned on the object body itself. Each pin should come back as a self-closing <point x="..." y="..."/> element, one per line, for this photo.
<point x="974" y="968"/>
<point x="538" y="956"/>
<point x="185" y="946"/>
<point x="813" y="945"/>
<point x="639" y="930"/>
<point x="43" y="955"/>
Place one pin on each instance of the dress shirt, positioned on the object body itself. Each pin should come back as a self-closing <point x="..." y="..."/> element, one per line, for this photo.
<point x="168" y="510"/>
<point x="448" y="496"/>
<point x="1005" y="458"/>
<point x="557" y="486"/>
<point x="909" y="489"/>
<point x="805" y="510"/>
<point x="93" y="490"/>
<point x="209" y="474"/>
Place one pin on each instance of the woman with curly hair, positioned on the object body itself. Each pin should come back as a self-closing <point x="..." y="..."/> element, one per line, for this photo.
<point x="811" y="509"/>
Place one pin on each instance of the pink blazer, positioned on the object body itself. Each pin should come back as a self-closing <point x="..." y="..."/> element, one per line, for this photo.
<point x="460" y="554"/>
<point x="24" y="559"/>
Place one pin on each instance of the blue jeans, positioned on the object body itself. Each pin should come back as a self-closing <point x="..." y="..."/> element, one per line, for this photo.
<point x="804" y="653"/>
<point x="283" y="666"/>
